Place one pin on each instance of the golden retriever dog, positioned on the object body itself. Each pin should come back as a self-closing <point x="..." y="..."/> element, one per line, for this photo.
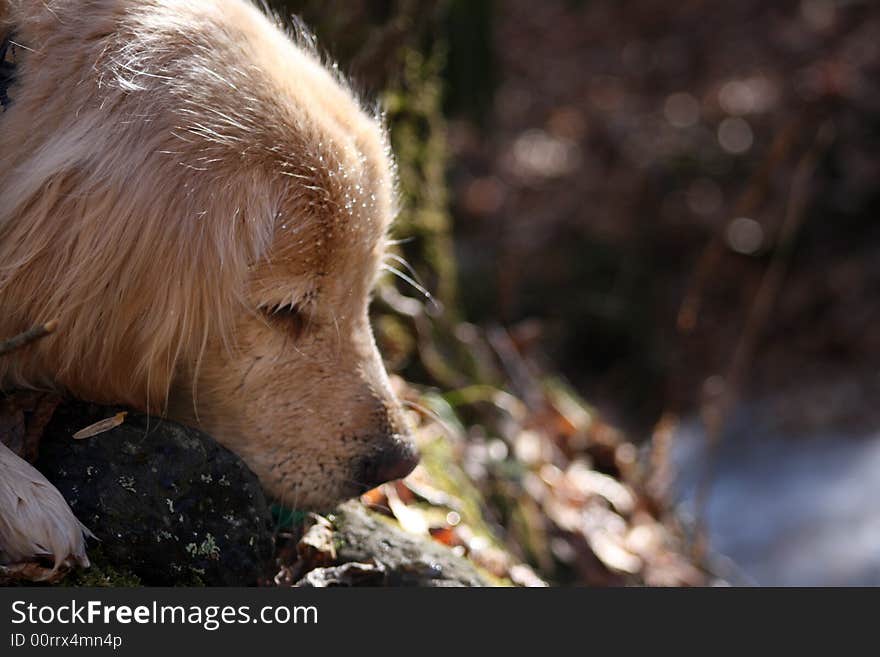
<point x="203" y="206"/>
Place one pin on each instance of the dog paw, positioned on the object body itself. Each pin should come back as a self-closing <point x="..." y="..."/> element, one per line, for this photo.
<point x="35" y="520"/>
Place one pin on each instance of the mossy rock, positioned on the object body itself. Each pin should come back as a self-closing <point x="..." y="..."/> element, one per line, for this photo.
<point x="168" y="504"/>
<point x="401" y="559"/>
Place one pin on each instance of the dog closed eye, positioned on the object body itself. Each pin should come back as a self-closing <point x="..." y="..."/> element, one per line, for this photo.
<point x="286" y="317"/>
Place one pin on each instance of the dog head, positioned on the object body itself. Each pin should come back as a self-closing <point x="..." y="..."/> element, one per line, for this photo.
<point x="301" y="393"/>
<point x="204" y="207"/>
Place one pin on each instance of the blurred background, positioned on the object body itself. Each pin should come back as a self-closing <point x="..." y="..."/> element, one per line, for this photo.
<point x="633" y="296"/>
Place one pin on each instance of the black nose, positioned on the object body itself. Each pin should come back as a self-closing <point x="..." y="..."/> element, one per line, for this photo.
<point x="393" y="462"/>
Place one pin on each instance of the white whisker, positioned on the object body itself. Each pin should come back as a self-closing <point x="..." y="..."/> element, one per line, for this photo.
<point x="411" y="281"/>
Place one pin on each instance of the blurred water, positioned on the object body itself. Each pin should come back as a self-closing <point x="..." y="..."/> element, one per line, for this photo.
<point x="788" y="508"/>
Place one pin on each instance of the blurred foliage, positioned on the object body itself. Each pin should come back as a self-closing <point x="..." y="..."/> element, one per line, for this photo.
<point x="471" y="73"/>
<point x="628" y="195"/>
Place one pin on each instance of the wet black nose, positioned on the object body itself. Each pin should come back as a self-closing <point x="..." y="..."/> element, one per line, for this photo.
<point x="393" y="462"/>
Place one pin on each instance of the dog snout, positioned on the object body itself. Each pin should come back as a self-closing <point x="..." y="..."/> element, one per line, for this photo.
<point x="394" y="461"/>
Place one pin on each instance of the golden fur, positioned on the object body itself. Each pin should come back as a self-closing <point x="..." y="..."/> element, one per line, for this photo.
<point x="173" y="172"/>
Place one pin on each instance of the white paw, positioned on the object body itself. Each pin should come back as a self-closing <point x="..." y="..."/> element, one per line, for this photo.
<point x="35" y="520"/>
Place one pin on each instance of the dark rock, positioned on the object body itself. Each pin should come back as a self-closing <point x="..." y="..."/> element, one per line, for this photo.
<point x="167" y="502"/>
<point x="400" y="558"/>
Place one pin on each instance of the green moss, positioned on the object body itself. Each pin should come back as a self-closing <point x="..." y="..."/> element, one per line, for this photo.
<point x="207" y="548"/>
<point x="101" y="574"/>
<point x="418" y="138"/>
<point x="438" y="458"/>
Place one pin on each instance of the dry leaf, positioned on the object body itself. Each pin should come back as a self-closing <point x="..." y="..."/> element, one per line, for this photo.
<point x="409" y="518"/>
<point x="610" y="551"/>
<point x="32" y="572"/>
<point x="374" y="497"/>
<point x="522" y="575"/>
<point x="100" y="427"/>
<point x="316" y="548"/>
<point x="446" y="536"/>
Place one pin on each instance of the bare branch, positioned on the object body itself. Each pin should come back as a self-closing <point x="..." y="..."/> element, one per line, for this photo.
<point x="31" y="335"/>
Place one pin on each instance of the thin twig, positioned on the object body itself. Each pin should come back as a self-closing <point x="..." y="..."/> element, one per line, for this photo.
<point x="716" y="412"/>
<point x="754" y="193"/>
<point x="31" y="335"/>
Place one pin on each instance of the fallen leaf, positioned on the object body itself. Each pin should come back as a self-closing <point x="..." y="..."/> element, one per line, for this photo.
<point x="608" y="548"/>
<point x="100" y="427"/>
<point x="409" y="518"/>
<point x="522" y="575"/>
<point x="316" y="548"/>
<point x="32" y="572"/>
<point x="446" y="536"/>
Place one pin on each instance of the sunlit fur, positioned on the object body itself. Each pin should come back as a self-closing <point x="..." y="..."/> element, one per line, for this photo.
<point x="169" y="170"/>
